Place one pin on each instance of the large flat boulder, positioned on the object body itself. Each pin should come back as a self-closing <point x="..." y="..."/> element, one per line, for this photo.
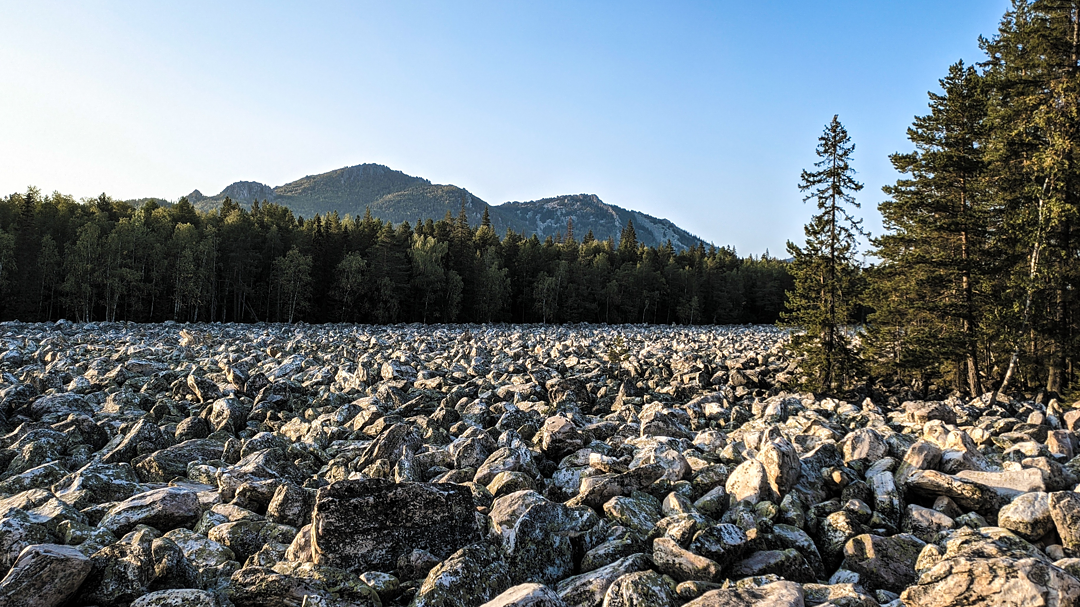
<point x="367" y="525"/>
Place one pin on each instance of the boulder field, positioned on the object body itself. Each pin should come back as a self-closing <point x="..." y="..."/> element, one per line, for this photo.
<point x="514" y="466"/>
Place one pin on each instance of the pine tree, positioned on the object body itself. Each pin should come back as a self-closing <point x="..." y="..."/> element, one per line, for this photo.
<point x="628" y="239"/>
<point x="825" y="269"/>
<point x="1034" y="75"/>
<point x="928" y="292"/>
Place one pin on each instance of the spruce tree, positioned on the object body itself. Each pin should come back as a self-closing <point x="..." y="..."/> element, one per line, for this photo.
<point x="825" y="269"/>
<point x="929" y="289"/>
<point x="1033" y="71"/>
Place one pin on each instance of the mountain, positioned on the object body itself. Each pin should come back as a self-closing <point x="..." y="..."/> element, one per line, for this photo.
<point x="394" y="196"/>
<point x="550" y="215"/>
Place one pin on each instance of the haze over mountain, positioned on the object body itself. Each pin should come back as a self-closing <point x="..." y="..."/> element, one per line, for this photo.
<point x="394" y="196"/>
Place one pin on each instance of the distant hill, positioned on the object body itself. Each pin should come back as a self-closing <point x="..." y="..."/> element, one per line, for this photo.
<point x="394" y="196"/>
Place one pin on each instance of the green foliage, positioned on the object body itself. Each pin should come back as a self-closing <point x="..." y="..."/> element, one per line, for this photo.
<point x="618" y="352"/>
<point x="825" y="269"/>
<point x="931" y="290"/>
<point x="101" y="259"/>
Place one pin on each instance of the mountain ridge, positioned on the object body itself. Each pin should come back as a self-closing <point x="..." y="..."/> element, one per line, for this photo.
<point x="392" y="195"/>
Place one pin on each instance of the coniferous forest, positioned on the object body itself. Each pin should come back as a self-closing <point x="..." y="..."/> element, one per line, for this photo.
<point x="974" y="288"/>
<point x="972" y="285"/>
<point x="103" y="259"/>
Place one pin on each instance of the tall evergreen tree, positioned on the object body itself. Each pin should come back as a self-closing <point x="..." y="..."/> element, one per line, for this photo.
<point x="928" y="293"/>
<point x="825" y="269"/>
<point x="1034" y="73"/>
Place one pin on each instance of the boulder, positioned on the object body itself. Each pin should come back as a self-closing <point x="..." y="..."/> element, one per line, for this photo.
<point x="163" y="509"/>
<point x="44" y="575"/>
<point x="776" y="594"/>
<point x="367" y="525"/>
<point x="993" y="582"/>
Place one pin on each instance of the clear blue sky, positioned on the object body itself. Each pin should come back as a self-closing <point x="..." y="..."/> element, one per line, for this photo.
<point x="700" y="112"/>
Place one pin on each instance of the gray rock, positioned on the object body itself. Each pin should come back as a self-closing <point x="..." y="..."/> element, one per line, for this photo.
<point x="788" y="564"/>
<point x="992" y="582"/>
<point x="164" y="509"/>
<point x="527" y="595"/>
<point x="782" y="465"/>
<point x="681" y="564"/>
<point x="776" y="594"/>
<point x="589" y="589"/>
<point x="17" y="531"/>
<point x="367" y="525"/>
<point x="181" y="597"/>
<point x="1065" y="511"/>
<point x="639" y="589"/>
<point x="887" y="563"/>
<point x="1028" y="515"/>
<point x="471" y="576"/>
<point x="44" y="575"/>
<point x="750" y="482"/>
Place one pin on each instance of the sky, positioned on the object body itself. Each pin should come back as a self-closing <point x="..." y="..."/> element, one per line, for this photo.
<point x="703" y="113"/>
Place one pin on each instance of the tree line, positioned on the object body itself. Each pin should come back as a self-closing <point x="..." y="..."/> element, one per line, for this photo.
<point x="975" y="285"/>
<point x="149" y="261"/>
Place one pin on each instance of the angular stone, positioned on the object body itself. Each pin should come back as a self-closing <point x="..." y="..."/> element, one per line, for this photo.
<point x="925" y="523"/>
<point x="1008" y="483"/>
<point x="527" y="595"/>
<point x="263" y="587"/>
<point x="788" y="564"/>
<point x="588" y="589"/>
<point x="887" y="563"/>
<point x="471" y="576"/>
<point x="163" y="509"/>
<point x="682" y="564"/>
<point x="1028" y="515"/>
<point x="179" y="597"/>
<point x="992" y="583"/>
<point x="633" y="512"/>
<point x="639" y="589"/>
<point x="776" y="594"/>
<point x="970" y="494"/>
<point x="1065" y="512"/>
<point x="723" y="543"/>
<point x="367" y="525"/>
<point x="44" y="575"/>
<point x="750" y="481"/>
<point x="782" y="466"/>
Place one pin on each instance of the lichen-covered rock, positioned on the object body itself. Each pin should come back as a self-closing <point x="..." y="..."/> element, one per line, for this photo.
<point x="44" y="575"/>
<point x="750" y="482"/>
<point x="527" y="595"/>
<point x="471" y="576"/>
<point x="723" y="543"/>
<point x="163" y="509"/>
<point x="17" y="531"/>
<point x="340" y="584"/>
<point x="788" y="564"/>
<point x="262" y="587"/>
<point x="639" y="512"/>
<point x="367" y="525"/>
<point x="883" y="562"/>
<point x="970" y="582"/>
<point x="681" y="564"/>
<point x="639" y="589"/>
<point x="538" y="547"/>
<point x="782" y="465"/>
<point x="119" y="573"/>
<point x="588" y="589"/>
<point x="246" y="537"/>
<point x="1028" y="515"/>
<point x="776" y="594"/>
<point x="180" y="597"/>
<point x="1065" y="512"/>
